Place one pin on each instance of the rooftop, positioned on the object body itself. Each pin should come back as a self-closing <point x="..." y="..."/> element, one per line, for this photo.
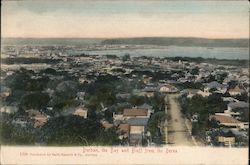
<point x="224" y="119"/>
<point x="240" y="104"/>
<point x="138" y="121"/>
<point x="135" y="112"/>
<point x="214" y="84"/>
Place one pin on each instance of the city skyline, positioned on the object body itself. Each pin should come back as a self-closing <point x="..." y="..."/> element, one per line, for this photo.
<point x="119" y="19"/>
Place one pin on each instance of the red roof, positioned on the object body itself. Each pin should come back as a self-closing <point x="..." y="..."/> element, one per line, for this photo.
<point x="135" y="112"/>
<point x="124" y="128"/>
<point x="224" y="119"/>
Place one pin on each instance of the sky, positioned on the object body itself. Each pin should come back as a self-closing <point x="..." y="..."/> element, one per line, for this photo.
<point x="117" y="18"/>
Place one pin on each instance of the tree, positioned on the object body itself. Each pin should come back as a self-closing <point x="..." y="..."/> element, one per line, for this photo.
<point x="195" y="129"/>
<point x="244" y="113"/>
<point x="158" y="102"/>
<point x="34" y="100"/>
<point x="74" y="130"/>
<point x="49" y="71"/>
<point x="136" y="100"/>
<point x="242" y="97"/>
<point x="64" y="95"/>
<point x="17" y="135"/>
<point x="19" y="80"/>
<point x="108" y="137"/>
<point x="155" y="121"/>
<point x="195" y="71"/>
<point x="71" y="130"/>
<point x="126" y="57"/>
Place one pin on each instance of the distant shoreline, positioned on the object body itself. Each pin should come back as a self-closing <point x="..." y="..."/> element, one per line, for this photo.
<point x="158" y="41"/>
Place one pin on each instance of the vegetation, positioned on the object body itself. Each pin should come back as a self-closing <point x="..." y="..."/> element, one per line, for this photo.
<point x="190" y="85"/>
<point x="126" y="57"/>
<point x="203" y="107"/>
<point x="16" y="135"/>
<point x="21" y="60"/>
<point x="154" y="124"/>
<point x="244" y="113"/>
<point x="35" y="100"/>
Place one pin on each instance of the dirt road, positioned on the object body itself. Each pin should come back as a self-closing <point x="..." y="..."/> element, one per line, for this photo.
<point x="179" y="133"/>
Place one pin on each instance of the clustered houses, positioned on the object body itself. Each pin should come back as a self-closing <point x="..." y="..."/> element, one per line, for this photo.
<point x="132" y="122"/>
<point x="230" y="120"/>
<point x="136" y="120"/>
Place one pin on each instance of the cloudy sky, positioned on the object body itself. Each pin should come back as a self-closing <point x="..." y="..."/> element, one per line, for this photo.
<point x="107" y="19"/>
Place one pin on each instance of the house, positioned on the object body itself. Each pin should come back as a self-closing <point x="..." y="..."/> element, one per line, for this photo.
<point x="136" y="112"/>
<point x="230" y="113"/>
<point x="189" y="92"/>
<point x="146" y="79"/>
<point x="39" y="120"/>
<point x="203" y="93"/>
<point x="82" y="80"/>
<point x="32" y="112"/>
<point x="80" y="96"/>
<point x="235" y="91"/>
<point x="192" y="92"/>
<point x="220" y="88"/>
<point x="107" y="125"/>
<point x="229" y="99"/>
<point x="132" y="123"/>
<point x="227" y="138"/>
<point x="149" y="91"/>
<point x="137" y="130"/>
<point x="8" y="109"/>
<point x="81" y="111"/>
<point x="195" y="118"/>
<point x="137" y="125"/>
<point x="239" y="104"/>
<point x="20" y="121"/>
<point x="50" y="92"/>
<point x="122" y="95"/>
<point x="167" y="88"/>
<point x="124" y="131"/>
<point x="146" y="106"/>
<point x="118" y="117"/>
<point x="227" y="121"/>
<point x="5" y="92"/>
<point x="182" y="80"/>
<point x="171" y="82"/>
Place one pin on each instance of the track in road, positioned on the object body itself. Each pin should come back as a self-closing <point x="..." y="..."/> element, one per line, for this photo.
<point x="178" y="132"/>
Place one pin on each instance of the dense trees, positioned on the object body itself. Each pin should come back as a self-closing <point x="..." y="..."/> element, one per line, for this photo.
<point x="137" y="100"/>
<point x="32" y="60"/>
<point x="244" y="113"/>
<point x="104" y="96"/>
<point x="22" y="84"/>
<point x="74" y="130"/>
<point x="202" y="105"/>
<point x="64" y="95"/>
<point x="49" y="71"/>
<point x="154" y="124"/>
<point x="242" y="97"/>
<point x="158" y="102"/>
<point x="20" y="80"/>
<point x="16" y="135"/>
<point x="190" y="85"/>
<point x="34" y="100"/>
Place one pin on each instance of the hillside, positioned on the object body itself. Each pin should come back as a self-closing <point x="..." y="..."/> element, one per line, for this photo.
<point x="166" y="41"/>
